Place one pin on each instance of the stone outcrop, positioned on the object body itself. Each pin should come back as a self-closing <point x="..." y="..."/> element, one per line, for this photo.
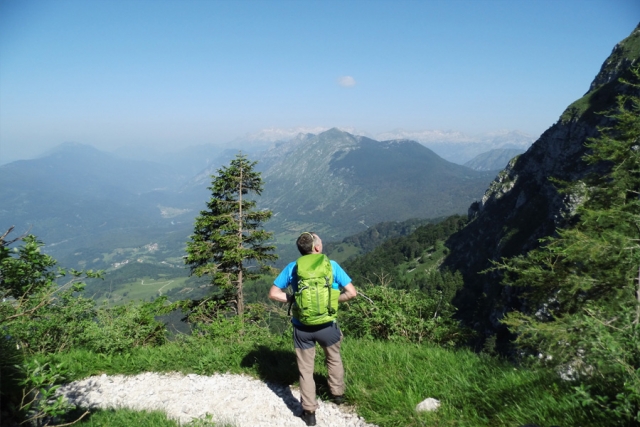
<point x="523" y="205"/>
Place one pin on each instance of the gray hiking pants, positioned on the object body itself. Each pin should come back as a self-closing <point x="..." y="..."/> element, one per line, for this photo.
<point x="304" y="340"/>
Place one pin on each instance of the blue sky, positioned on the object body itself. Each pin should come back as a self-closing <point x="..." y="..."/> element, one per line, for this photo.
<point x="177" y="73"/>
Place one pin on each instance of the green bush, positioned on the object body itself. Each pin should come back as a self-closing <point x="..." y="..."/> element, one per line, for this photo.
<point x="121" y="328"/>
<point x="37" y="313"/>
<point x="400" y="315"/>
<point x="39" y="404"/>
<point x="55" y="327"/>
<point x="213" y="319"/>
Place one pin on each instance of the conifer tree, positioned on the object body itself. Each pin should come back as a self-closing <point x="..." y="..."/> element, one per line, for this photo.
<point x="228" y="238"/>
<point x="582" y="286"/>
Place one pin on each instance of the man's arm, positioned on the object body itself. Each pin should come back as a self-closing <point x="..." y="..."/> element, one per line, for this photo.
<point x="277" y="294"/>
<point x="349" y="292"/>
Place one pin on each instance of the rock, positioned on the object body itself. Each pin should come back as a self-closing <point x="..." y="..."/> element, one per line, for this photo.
<point x="427" y="405"/>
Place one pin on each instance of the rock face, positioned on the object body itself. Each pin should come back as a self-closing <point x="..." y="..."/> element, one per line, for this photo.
<point x="522" y="205"/>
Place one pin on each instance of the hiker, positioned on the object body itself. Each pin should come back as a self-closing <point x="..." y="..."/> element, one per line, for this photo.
<point x="314" y="322"/>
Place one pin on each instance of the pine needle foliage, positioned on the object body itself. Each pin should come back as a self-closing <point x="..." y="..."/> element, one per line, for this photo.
<point x="581" y="287"/>
<point x="228" y="241"/>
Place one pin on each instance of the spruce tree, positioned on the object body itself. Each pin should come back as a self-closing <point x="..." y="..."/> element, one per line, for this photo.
<point x="581" y="286"/>
<point x="228" y="243"/>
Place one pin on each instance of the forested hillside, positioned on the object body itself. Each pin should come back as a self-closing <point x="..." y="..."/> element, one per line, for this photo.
<point x="407" y="262"/>
<point x="372" y="237"/>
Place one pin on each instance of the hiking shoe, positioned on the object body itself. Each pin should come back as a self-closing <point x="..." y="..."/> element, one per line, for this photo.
<point x="338" y="400"/>
<point x="309" y="418"/>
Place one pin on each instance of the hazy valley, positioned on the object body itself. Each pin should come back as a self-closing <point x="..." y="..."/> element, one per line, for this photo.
<point x="111" y="211"/>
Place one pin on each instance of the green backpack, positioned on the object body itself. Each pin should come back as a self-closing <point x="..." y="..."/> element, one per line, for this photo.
<point x="316" y="302"/>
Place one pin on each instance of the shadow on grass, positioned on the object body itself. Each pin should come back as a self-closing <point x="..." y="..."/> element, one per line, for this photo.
<point x="278" y="369"/>
<point x="556" y="408"/>
<point x="10" y="389"/>
<point x="277" y="366"/>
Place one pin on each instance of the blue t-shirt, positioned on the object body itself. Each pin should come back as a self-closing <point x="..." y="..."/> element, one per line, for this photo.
<point x="288" y="277"/>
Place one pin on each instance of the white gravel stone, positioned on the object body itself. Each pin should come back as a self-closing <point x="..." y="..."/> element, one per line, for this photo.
<point x="429" y="404"/>
<point x="237" y="399"/>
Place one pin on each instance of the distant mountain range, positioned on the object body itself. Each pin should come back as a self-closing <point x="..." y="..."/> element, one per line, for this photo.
<point x="341" y="183"/>
<point x="460" y="148"/>
<point x="79" y="197"/>
<point x="454" y="146"/>
<point x="494" y="159"/>
<point x="190" y="160"/>
<point x="75" y="194"/>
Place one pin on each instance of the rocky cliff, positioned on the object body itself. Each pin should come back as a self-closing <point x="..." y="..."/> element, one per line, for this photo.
<point x="523" y="205"/>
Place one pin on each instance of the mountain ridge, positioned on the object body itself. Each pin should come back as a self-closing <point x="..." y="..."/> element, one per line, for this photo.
<point x="495" y="160"/>
<point x="362" y="181"/>
<point x="522" y="205"/>
<point x="77" y="198"/>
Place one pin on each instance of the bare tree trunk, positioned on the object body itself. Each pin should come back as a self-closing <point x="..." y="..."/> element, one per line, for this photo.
<point x="240" y="295"/>
<point x="239" y="285"/>
<point x="635" y="322"/>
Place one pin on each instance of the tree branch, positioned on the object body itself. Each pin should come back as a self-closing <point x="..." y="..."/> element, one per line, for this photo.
<point x="71" y="423"/>
<point x="28" y="312"/>
<point x="637" y="320"/>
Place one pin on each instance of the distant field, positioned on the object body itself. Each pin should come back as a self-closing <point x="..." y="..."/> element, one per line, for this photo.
<point x="430" y="260"/>
<point x="145" y="288"/>
<point x="145" y="272"/>
<point x="344" y="251"/>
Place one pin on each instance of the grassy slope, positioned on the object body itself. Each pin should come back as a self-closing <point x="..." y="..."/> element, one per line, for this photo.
<point x="385" y="380"/>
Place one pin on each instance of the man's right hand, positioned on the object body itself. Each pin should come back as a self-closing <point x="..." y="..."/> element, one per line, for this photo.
<point x="277" y="294"/>
<point x="349" y="292"/>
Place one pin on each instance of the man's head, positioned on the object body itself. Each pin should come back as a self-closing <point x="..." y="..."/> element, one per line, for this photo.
<point x="309" y="243"/>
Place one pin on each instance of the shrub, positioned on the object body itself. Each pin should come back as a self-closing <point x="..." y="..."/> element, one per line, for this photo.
<point x="400" y="315"/>
<point x="121" y="328"/>
<point x="215" y="318"/>
<point x="37" y="313"/>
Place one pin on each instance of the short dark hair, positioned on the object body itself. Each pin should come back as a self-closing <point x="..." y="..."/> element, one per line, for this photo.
<point x="306" y="241"/>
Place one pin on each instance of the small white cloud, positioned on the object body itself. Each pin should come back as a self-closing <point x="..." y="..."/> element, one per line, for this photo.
<point x="346" y="81"/>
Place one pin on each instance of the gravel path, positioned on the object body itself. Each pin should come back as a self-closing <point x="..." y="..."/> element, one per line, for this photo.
<point x="235" y="399"/>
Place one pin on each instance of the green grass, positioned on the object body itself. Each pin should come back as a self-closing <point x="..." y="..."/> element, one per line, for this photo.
<point x="388" y="380"/>
<point x="143" y="289"/>
<point x="344" y="251"/>
<point x="128" y="418"/>
<point x="429" y="260"/>
<point x="385" y="380"/>
<point x="577" y="108"/>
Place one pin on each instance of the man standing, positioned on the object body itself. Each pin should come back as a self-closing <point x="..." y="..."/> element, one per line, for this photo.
<point x="305" y="336"/>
